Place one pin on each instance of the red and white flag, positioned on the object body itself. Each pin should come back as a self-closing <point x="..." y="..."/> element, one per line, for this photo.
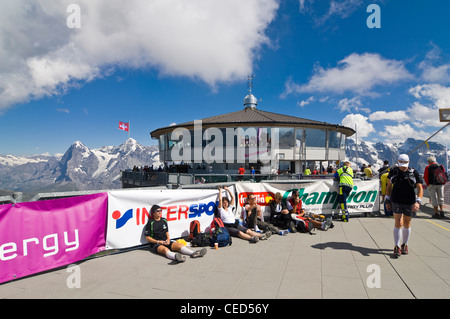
<point x="124" y="126"/>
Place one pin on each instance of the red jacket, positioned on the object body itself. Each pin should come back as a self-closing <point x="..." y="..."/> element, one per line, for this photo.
<point x="299" y="206"/>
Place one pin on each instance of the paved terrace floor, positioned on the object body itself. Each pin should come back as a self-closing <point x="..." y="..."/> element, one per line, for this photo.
<point x="331" y="264"/>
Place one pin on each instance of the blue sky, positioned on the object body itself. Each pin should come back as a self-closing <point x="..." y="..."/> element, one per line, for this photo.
<point x="153" y="63"/>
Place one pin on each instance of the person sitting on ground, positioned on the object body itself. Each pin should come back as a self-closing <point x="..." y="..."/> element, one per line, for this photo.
<point x="294" y="205"/>
<point x="156" y="232"/>
<point x="253" y="217"/>
<point x="280" y="215"/>
<point x="226" y="213"/>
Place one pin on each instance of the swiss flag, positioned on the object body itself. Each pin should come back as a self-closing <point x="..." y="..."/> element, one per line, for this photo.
<point x="124" y="126"/>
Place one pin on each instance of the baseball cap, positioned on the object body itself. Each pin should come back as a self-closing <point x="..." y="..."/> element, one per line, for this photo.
<point x="403" y="160"/>
<point x="154" y="208"/>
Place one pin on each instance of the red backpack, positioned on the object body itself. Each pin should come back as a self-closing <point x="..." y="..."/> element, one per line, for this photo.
<point x="194" y="229"/>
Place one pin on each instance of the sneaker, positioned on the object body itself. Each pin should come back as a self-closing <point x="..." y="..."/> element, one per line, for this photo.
<point x="441" y="214"/>
<point x="179" y="257"/>
<point x="404" y="249"/>
<point x="199" y="253"/>
<point x="268" y="234"/>
<point x="325" y="226"/>
<point x="397" y="252"/>
<point x="437" y="216"/>
<point x="263" y="237"/>
<point x="254" y="240"/>
<point x="292" y="227"/>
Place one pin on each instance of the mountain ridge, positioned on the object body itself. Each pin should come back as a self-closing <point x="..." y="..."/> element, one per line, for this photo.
<point x="81" y="168"/>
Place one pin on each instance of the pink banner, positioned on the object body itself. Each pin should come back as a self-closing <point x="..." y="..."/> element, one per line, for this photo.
<point x="39" y="236"/>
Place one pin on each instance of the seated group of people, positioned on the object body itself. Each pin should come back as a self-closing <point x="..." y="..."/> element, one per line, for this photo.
<point x="283" y="215"/>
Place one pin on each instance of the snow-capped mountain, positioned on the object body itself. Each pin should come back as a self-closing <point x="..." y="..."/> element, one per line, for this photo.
<point x="376" y="153"/>
<point x="80" y="168"/>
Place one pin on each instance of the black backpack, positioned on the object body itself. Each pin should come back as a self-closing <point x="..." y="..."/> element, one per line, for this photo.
<point x="305" y="226"/>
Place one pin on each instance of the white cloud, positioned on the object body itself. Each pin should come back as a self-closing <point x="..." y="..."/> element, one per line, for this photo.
<point x="338" y="8"/>
<point x="357" y="73"/>
<point x="399" y="133"/>
<point x="352" y="104"/>
<point x="63" y="111"/>
<point x="306" y="102"/>
<point x="423" y="116"/>
<point x="398" y="116"/>
<point x="432" y="73"/>
<point x="363" y="126"/>
<point x="212" y="41"/>
<point x="439" y="95"/>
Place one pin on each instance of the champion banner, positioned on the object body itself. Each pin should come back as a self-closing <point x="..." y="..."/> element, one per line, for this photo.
<point x="39" y="236"/>
<point x="129" y="210"/>
<point x="319" y="197"/>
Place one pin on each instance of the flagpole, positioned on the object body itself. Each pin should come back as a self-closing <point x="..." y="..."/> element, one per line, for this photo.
<point x="446" y="156"/>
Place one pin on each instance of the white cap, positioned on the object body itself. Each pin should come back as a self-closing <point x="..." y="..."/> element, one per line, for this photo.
<point x="403" y="158"/>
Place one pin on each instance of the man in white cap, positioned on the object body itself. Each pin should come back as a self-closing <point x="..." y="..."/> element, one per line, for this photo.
<point x="401" y="198"/>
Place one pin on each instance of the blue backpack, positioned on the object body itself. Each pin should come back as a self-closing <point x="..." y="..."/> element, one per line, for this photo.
<point x="219" y="234"/>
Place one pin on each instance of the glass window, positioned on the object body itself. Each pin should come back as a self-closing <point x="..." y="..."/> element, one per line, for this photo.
<point x="286" y="138"/>
<point x="299" y="136"/>
<point x="315" y="137"/>
<point x="334" y="139"/>
<point x="162" y="142"/>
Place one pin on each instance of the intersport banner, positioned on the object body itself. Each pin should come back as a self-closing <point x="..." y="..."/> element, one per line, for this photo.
<point x="317" y="196"/>
<point x="129" y="210"/>
<point x="38" y="236"/>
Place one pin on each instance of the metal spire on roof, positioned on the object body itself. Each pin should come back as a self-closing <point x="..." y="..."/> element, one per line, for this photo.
<point x="250" y="100"/>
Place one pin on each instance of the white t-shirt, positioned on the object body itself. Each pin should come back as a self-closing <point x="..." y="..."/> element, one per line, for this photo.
<point x="227" y="216"/>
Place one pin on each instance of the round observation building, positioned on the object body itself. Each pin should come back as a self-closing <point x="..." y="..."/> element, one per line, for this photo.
<point x="252" y="137"/>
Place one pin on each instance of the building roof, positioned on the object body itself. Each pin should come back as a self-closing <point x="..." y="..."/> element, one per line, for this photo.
<point x="251" y="117"/>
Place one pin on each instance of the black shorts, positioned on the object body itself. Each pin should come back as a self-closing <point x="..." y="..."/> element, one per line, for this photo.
<point x="154" y="247"/>
<point x="235" y="228"/>
<point x="402" y="209"/>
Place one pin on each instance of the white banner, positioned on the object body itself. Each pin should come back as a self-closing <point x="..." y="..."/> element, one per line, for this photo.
<point x="128" y="213"/>
<point x="319" y="197"/>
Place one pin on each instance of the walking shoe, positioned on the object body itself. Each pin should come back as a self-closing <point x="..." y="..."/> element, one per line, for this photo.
<point x="397" y="252"/>
<point x="441" y="214"/>
<point x="263" y="237"/>
<point x="404" y="249"/>
<point x="199" y="253"/>
<point x="179" y="257"/>
<point x="254" y="240"/>
<point x="292" y="227"/>
<point x="325" y="226"/>
<point x="268" y="234"/>
<point x="436" y="216"/>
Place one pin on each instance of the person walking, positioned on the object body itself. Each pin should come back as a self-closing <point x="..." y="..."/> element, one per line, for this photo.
<point x="345" y="177"/>
<point x="402" y="199"/>
<point x="435" y="186"/>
